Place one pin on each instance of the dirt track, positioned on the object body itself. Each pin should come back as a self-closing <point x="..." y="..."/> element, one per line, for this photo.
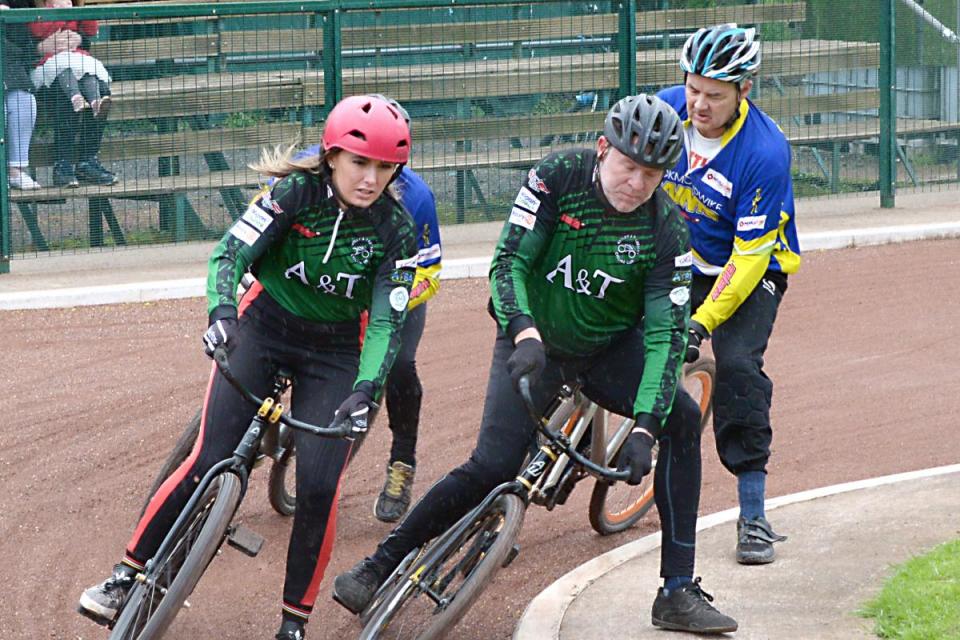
<point x="863" y="357"/>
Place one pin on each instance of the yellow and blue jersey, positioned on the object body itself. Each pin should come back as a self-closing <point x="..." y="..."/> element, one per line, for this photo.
<point x="739" y="208"/>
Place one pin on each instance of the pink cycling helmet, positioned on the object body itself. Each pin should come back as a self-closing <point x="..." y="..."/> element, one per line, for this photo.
<point x="369" y="127"/>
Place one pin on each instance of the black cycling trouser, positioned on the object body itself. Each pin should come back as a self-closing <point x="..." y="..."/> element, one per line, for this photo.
<point x="743" y="392"/>
<point x="323" y="359"/>
<point x="403" y="392"/>
<point x="611" y="380"/>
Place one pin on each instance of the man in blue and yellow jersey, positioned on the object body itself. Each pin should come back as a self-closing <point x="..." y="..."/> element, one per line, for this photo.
<point x="733" y="183"/>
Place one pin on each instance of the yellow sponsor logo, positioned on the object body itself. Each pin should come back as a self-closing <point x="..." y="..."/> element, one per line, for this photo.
<point x="684" y="197"/>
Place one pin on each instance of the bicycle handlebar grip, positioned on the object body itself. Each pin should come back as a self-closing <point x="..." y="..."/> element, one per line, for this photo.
<point x="220" y="357"/>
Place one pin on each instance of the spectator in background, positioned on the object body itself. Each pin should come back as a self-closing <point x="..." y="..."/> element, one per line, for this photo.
<point x="77" y="85"/>
<point x="20" y="105"/>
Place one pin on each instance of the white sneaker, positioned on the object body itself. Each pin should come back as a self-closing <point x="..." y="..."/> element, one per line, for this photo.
<point x="22" y="180"/>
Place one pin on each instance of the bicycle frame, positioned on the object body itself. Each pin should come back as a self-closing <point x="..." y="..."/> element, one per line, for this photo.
<point x="547" y="466"/>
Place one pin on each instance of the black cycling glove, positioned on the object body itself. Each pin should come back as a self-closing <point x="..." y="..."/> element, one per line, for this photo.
<point x="636" y="456"/>
<point x="220" y="333"/>
<point x="356" y="408"/>
<point x="697" y="334"/>
<point x="528" y="358"/>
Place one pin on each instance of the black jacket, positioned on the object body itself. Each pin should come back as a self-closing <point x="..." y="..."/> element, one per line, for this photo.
<point x="19" y="52"/>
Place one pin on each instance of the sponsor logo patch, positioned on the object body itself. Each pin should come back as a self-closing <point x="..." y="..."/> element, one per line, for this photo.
<point x="406" y="263"/>
<point x="680" y="295"/>
<point x="748" y="223"/>
<point x="267" y="202"/>
<point x="257" y="218"/>
<point x="770" y="286"/>
<point x="628" y="249"/>
<point x="723" y="281"/>
<point x="361" y="250"/>
<point x="684" y="260"/>
<point x="401" y="277"/>
<point x="684" y="277"/>
<point x="718" y="182"/>
<point x="568" y="220"/>
<point x="302" y="230"/>
<point x="526" y="200"/>
<point x="535" y="182"/>
<point x="244" y="232"/>
<point x="399" y="298"/>
<point x="522" y="218"/>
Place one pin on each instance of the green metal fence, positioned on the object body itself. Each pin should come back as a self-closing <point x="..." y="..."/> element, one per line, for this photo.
<point x="492" y="86"/>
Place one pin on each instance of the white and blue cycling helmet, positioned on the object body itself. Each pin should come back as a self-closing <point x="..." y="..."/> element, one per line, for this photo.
<point x="724" y="52"/>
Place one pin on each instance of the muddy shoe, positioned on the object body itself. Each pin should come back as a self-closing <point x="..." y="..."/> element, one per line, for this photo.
<point x="394" y="500"/>
<point x="102" y="602"/>
<point x="688" y="608"/>
<point x="755" y="540"/>
<point x="355" y="588"/>
<point x="290" y="630"/>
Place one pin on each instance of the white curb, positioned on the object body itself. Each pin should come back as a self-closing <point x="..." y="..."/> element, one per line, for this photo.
<point x="543" y="616"/>
<point x="452" y="269"/>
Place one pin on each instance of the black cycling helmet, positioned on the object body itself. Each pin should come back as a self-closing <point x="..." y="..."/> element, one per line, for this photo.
<point x="645" y="129"/>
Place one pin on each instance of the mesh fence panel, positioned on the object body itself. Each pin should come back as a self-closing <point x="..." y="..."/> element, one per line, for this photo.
<point x="196" y="92"/>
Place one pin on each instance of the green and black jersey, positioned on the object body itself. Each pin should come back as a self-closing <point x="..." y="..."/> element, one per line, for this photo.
<point x="322" y="263"/>
<point x="584" y="274"/>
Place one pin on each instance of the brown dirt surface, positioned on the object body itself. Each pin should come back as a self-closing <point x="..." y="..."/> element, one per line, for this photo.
<point x="863" y="359"/>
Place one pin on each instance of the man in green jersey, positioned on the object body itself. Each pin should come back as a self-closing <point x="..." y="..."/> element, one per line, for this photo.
<point x="591" y="278"/>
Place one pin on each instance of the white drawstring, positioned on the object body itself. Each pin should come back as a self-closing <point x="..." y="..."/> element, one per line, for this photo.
<point x="333" y="236"/>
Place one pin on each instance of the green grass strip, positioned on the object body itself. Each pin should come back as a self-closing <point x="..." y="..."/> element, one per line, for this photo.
<point x="922" y="599"/>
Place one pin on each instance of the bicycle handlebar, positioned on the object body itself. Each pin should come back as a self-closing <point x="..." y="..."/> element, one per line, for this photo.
<point x="603" y="472"/>
<point x="341" y="429"/>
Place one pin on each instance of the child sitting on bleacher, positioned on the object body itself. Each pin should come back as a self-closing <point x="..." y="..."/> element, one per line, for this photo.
<point x="77" y="85"/>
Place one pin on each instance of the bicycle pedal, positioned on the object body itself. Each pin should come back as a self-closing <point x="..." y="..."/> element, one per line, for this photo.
<point x="511" y="556"/>
<point x="245" y="540"/>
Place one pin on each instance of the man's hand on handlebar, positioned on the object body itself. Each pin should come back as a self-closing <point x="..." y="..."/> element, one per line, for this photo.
<point x="636" y="456"/>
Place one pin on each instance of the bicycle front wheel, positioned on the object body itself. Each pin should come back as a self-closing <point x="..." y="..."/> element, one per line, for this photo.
<point x="160" y="592"/>
<point x="429" y="600"/>
<point x="281" y="488"/>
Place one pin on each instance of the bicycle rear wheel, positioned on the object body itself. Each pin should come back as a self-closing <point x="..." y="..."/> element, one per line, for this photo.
<point x="160" y="592"/>
<point x="617" y="507"/>
<point x="428" y="601"/>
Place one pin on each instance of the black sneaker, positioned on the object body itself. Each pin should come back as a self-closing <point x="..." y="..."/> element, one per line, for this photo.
<point x="93" y="172"/>
<point x="290" y="630"/>
<point x="354" y="589"/>
<point x="394" y="499"/>
<point x="688" y="608"/>
<point x="755" y="540"/>
<point x="64" y="175"/>
<point x="102" y="602"/>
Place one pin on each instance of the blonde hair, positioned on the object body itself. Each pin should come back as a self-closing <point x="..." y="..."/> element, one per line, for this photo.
<point x="279" y="162"/>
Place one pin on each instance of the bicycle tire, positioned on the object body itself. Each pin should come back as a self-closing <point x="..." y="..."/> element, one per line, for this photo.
<point x="181" y="449"/>
<point x="606" y="520"/>
<point x="483" y="558"/>
<point x="282" y="499"/>
<point x="204" y="531"/>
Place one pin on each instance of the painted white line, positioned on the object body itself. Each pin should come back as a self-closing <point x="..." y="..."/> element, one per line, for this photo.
<point x="104" y="294"/>
<point x="542" y="618"/>
<point x="452" y="269"/>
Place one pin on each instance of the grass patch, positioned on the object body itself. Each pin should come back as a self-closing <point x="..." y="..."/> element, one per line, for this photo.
<point x="922" y="599"/>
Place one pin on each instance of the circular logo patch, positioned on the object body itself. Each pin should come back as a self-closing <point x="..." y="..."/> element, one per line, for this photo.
<point x="628" y="249"/>
<point x="361" y="251"/>
<point x="399" y="298"/>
